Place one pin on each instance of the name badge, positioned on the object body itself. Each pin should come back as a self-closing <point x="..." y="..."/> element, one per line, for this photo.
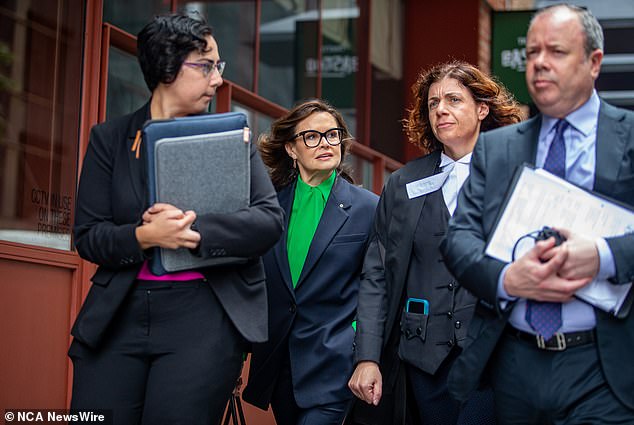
<point x="428" y="184"/>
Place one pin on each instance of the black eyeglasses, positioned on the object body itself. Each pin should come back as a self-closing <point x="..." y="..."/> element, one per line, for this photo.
<point x="208" y="67"/>
<point x="312" y="138"/>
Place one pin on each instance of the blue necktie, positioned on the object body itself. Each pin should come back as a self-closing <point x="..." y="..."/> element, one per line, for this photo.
<point x="545" y="317"/>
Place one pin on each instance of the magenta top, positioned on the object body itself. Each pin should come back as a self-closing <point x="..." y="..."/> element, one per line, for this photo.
<point x="146" y="274"/>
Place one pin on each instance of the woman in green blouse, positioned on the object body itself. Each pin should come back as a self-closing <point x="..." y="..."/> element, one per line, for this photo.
<point x="313" y="271"/>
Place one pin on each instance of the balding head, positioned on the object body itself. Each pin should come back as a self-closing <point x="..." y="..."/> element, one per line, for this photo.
<point x="591" y="28"/>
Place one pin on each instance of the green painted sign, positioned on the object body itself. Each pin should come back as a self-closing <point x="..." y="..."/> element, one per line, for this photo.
<point x="508" y="51"/>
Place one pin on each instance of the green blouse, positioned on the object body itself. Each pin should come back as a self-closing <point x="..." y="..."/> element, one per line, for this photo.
<point x="308" y="206"/>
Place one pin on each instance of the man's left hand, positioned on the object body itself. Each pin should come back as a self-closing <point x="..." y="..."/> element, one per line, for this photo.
<point x="582" y="260"/>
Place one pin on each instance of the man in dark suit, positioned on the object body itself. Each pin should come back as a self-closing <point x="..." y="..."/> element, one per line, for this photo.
<point x="584" y="373"/>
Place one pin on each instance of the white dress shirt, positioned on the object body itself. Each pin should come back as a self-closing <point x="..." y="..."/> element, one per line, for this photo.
<point x="455" y="179"/>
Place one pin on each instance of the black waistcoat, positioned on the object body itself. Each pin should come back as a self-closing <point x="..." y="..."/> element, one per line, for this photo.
<point x="426" y="340"/>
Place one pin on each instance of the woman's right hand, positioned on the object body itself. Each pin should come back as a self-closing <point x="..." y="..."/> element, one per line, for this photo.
<point x="366" y="382"/>
<point x="166" y="226"/>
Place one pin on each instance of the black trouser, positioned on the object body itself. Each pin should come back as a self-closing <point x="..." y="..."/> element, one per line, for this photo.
<point x="171" y="356"/>
<point x="437" y="407"/>
<point x="540" y="387"/>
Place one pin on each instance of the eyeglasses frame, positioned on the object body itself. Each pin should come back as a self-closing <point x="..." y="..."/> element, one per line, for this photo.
<point x="208" y="67"/>
<point x="321" y="136"/>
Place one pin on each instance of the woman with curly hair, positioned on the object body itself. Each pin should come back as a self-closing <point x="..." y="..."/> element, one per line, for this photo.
<point x="312" y="274"/>
<point x="412" y="315"/>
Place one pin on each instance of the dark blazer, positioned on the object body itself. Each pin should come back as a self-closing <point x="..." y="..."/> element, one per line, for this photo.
<point x="385" y="274"/>
<point x="112" y="197"/>
<point x="314" y="321"/>
<point x="495" y="158"/>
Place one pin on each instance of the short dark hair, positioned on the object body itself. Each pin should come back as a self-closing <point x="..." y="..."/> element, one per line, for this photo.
<point x="503" y="109"/>
<point x="164" y="44"/>
<point x="592" y="30"/>
<point x="272" y="145"/>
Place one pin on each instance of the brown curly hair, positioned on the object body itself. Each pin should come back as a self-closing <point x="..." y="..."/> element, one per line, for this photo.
<point x="272" y="145"/>
<point x="503" y="109"/>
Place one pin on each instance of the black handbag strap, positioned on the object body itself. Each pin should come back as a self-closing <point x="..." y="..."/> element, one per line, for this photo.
<point x="234" y="412"/>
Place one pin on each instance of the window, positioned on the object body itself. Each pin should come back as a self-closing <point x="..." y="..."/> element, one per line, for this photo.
<point x="132" y="15"/>
<point x="288" y="51"/>
<point x="40" y="86"/>
<point x="339" y="58"/>
<point x="233" y="24"/>
<point x="127" y="90"/>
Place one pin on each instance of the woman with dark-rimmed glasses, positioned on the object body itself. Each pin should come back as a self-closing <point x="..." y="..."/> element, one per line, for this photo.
<point x="312" y="273"/>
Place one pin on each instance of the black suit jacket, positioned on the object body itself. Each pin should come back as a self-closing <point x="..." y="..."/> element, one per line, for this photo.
<point x="495" y="158"/>
<point x="313" y="321"/>
<point x="384" y="280"/>
<point x="112" y="197"/>
<point x="384" y="275"/>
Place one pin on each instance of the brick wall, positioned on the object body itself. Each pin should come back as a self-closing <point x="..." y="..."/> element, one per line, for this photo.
<point x="484" y="35"/>
<point x="484" y="25"/>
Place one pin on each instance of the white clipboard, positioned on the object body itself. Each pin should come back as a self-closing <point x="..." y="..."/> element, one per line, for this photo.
<point x="537" y="198"/>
